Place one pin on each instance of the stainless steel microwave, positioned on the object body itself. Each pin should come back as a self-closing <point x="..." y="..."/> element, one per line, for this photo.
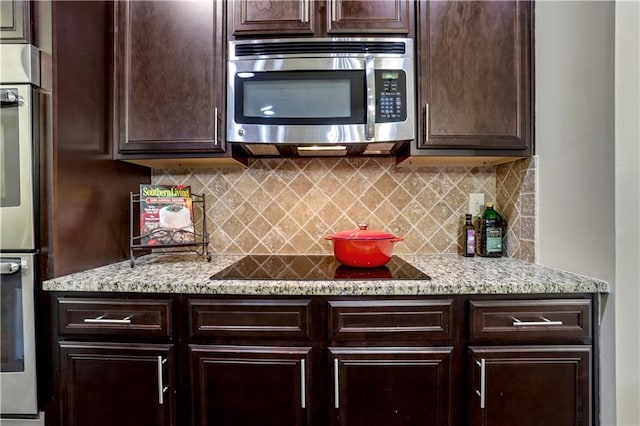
<point x="321" y="91"/>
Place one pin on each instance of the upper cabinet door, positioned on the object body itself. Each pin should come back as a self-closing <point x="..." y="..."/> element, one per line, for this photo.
<point x="366" y="16"/>
<point x="169" y="90"/>
<point x="319" y="18"/>
<point x="15" y="21"/>
<point x="474" y="74"/>
<point x="255" y="17"/>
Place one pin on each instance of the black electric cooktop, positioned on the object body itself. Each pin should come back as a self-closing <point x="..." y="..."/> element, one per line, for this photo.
<point x="294" y="267"/>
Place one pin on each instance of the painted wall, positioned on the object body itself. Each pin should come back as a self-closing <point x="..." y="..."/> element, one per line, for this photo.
<point x="575" y="150"/>
<point x="627" y="160"/>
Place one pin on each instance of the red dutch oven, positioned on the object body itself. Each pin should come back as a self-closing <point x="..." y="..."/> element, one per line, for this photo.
<point x="363" y="248"/>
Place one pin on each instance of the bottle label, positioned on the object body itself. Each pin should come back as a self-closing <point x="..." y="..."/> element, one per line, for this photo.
<point x="471" y="242"/>
<point x="494" y="239"/>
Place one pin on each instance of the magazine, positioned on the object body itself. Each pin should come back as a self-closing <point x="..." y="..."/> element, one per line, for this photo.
<point x="166" y="215"/>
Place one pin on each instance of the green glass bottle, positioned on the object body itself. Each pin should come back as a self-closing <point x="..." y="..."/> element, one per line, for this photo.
<point x="491" y="228"/>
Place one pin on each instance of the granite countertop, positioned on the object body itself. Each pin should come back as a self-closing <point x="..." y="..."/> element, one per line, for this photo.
<point x="450" y="274"/>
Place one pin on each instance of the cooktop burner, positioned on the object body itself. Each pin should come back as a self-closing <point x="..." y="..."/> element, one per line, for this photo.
<point x="294" y="267"/>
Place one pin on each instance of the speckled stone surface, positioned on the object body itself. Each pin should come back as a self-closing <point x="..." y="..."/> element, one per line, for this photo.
<point x="450" y="274"/>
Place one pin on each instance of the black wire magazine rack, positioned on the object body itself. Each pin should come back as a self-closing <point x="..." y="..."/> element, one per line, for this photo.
<point x="172" y="239"/>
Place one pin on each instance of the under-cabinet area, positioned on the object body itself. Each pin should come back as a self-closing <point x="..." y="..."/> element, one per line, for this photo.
<point x="186" y="359"/>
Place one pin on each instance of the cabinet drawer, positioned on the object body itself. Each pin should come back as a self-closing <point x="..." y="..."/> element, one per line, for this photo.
<point x="114" y="317"/>
<point x="391" y="319"/>
<point x="531" y="320"/>
<point x="240" y="318"/>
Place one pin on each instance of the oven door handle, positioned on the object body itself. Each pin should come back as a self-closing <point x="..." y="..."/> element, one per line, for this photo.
<point x="370" y="74"/>
<point x="10" y="98"/>
<point x="8" y="268"/>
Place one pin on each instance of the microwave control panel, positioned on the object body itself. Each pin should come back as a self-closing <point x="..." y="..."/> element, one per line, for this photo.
<point x="391" y="96"/>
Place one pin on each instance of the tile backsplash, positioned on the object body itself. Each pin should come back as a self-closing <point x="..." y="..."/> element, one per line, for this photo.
<point x="516" y="197"/>
<point x="287" y="206"/>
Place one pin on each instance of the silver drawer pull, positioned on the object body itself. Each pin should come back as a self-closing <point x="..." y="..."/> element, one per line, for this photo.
<point x="303" y="383"/>
<point x="102" y="320"/>
<point x="544" y="323"/>
<point x="336" y="384"/>
<point x="161" y="387"/>
<point x="483" y="382"/>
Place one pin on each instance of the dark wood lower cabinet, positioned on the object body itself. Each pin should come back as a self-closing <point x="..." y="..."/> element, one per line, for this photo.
<point x="530" y="386"/>
<point x="161" y="360"/>
<point x="250" y="385"/>
<point x="116" y="384"/>
<point x="408" y="386"/>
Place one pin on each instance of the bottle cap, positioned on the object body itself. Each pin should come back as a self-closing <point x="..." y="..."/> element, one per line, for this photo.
<point x="489" y="204"/>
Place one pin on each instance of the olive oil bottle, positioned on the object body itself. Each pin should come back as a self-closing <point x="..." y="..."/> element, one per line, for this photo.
<point x="491" y="227"/>
<point x="469" y="237"/>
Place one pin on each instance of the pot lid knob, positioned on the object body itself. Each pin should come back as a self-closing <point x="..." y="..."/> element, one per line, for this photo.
<point x="363" y="226"/>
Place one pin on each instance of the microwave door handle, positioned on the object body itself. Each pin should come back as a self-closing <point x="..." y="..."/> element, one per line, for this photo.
<point x="370" y="75"/>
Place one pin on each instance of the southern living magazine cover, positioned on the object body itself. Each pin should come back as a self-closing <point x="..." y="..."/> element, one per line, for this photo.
<point x="166" y="215"/>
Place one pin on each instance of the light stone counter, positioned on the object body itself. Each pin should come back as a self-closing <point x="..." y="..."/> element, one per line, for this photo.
<point x="450" y="274"/>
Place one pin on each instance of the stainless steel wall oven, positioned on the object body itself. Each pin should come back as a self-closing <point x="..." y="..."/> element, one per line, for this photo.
<point x="19" y="73"/>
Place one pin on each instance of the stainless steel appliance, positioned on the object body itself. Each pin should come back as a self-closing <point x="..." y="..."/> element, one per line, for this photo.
<point x="321" y="94"/>
<point x="19" y="72"/>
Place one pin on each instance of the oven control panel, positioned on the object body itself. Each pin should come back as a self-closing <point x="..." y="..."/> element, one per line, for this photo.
<point x="391" y="96"/>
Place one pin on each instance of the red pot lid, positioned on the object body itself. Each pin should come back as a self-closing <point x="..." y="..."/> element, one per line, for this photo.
<point x="362" y="234"/>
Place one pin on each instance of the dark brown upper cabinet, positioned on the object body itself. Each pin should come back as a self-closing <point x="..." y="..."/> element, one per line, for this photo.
<point x="15" y="21"/>
<point x="281" y="17"/>
<point x="169" y="77"/>
<point x="316" y="18"/>
<point x="366" y="16"/>
<point x="474" y="78"/>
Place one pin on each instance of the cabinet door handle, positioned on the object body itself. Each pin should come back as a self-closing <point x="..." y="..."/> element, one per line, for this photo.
<point x="425" y="123"/>
<point x="334" y="10"/>
<point x="161" y="387"/>
<point x="102" y="320"/>
<point x="215" y="125"/>
<point x="303" y="383"/>
<point x="336" y="384"/>
<point x="304" y="10"/>
<point x="483" y="382"/>
<point x="544" y="323"/>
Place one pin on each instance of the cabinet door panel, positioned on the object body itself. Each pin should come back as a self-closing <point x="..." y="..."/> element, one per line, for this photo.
<point x="475" y="75"/>
<point x="250" y="385"/>
<point x="251" y="17"/>
<point x="363" y="16"/>
<point x="116" y="384"/>
<point x="392" y="386"/>
<point x="169" y="85"/>
<point x="530" y="386"/>
<point x="15" y="21"/>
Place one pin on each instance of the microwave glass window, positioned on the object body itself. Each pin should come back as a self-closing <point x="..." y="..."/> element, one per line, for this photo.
<point x="9" y="156"/>
<point x="297" y="98"/>
<point x="300" y="97"/>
